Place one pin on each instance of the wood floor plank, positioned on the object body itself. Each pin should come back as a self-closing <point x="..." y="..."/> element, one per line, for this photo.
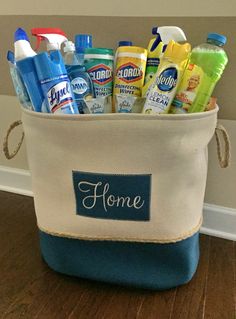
<point x="20" y="259"/>
<point x="219" y="303"/>
<point x="157" y="305"/>
<point x="189" y="301"/>
<point x="122" y="303"/>
<point x="76" y="298"/>
<point x="33" y="297"/>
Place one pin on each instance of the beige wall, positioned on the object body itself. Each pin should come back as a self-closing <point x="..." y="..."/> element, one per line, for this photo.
<point x="121" y="7"/>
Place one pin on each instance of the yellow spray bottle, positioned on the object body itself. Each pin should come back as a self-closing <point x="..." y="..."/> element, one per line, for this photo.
<point x="167" y="78"/>
<point x="155" y="50"/>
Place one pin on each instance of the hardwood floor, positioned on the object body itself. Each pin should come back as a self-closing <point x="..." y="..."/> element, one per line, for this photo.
<point x="29" y="289"/>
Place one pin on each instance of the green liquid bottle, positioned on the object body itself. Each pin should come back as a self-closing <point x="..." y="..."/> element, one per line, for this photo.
<point x="207" y="63"/>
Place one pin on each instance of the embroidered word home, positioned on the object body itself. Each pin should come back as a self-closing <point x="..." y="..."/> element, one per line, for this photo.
<point x="100" y="192"/>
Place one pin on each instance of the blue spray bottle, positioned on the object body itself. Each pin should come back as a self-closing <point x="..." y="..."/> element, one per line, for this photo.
<point x="55" y="83"/>
<point x="82" y="42"/>
<point x="24" y="62"/>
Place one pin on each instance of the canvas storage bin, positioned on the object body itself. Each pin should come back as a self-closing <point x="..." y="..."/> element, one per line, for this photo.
<point x="119" y="197"/>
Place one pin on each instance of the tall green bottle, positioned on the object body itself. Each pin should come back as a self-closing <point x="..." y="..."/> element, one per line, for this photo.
<point x="207" y="63"/>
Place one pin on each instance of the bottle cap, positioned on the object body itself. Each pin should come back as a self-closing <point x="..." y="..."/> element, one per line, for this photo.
<point x="125" y="43"/>
<point x="176" y="51"/>
<point x="82" y="41"/>
<point x="217" y="37"/>
<point x="99" y="53"/>
<point x="69" y="46"/>
<point x="20" y="34"/>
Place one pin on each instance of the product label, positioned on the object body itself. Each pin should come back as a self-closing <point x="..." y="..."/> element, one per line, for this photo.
<point x="102" y="104"/>
<point x="151" y="69"/>
<point x="162" y="91"/>
<point x="108" y="196"/>
<point x="167" y="80"/>
<point x="59" y="97"/>
<point x="102" y="77"/>
<point x="129" y="76"/>
<point x="153" y="62"/>
<point x="101" y="74"/>
<point x="79" y="86"/>
<point x="129" y="72"/>
<point x="190" y="85"/>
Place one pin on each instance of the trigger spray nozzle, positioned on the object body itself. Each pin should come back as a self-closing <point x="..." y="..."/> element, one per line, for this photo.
<point x="54" y="37"/>
<point x="158" y="38"/>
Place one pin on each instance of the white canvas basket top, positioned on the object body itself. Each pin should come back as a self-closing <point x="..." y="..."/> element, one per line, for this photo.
<point x="162" y="157"/>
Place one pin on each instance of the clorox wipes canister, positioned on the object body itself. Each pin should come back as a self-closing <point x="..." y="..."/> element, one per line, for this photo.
<point x="99" y="65"/>
<point x="129" y="74"/>
<point x="168" y="76"/>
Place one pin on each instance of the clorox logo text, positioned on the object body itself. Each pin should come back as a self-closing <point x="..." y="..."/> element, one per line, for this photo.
<point x="167" y="79"/>
<point x="101" y="74"/>
<point x="129" y="72"/>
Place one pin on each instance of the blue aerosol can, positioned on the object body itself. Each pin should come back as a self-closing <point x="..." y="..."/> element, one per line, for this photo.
<point x="55" y="83"/>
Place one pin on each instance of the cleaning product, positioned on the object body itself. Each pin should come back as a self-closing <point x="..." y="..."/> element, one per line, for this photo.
<point x="99" y="64"/>
<point x="82" y="42"/>
<point x="204" y="70"/>
<point x="156" y="48"/>
<point x="177" y="107"/>
<point x="169" y="33"/>
<point x="24" y="62"/>
<point x="129" y="76"/>
<point x="55" y="83"/>
<point x="122" y="43"/>
<point x="18" y="84"/>
<point x="125" y="43"/>
<point x="81" y="82"/>
<point x="99" y="105"/>
<point x="167" y="78"/>
<point x="53" y="36"/>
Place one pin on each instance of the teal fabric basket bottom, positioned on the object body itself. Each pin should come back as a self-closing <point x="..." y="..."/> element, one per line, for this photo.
<point x="144" y="265"/>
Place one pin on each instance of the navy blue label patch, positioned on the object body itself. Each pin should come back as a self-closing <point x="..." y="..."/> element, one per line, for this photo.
<point x="108" y="196"/>
<point x="167" y="79"/>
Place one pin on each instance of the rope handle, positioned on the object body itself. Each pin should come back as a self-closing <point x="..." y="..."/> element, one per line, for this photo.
<point x="223" y="155"/>
<point x="5" y="142"/>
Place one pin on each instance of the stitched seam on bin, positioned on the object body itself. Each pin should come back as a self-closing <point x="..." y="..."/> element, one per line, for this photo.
<point x="125" y="239"/>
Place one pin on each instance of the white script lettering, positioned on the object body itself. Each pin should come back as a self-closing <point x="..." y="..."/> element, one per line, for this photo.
<point x="100" y="191"/>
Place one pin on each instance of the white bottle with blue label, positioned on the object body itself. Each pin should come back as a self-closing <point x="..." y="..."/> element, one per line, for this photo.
<point x="81" y="83"/>
<point x="24" y="56"/>
<point x="168" y="76"/>
<point x="55" y="83"/>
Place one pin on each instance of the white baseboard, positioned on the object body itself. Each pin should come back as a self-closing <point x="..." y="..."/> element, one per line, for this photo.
<point x="218" y="221"/>
<point x="15" y="180"/>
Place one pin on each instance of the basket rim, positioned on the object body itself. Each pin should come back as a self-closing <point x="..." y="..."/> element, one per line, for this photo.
<point x="121" y="116"/>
